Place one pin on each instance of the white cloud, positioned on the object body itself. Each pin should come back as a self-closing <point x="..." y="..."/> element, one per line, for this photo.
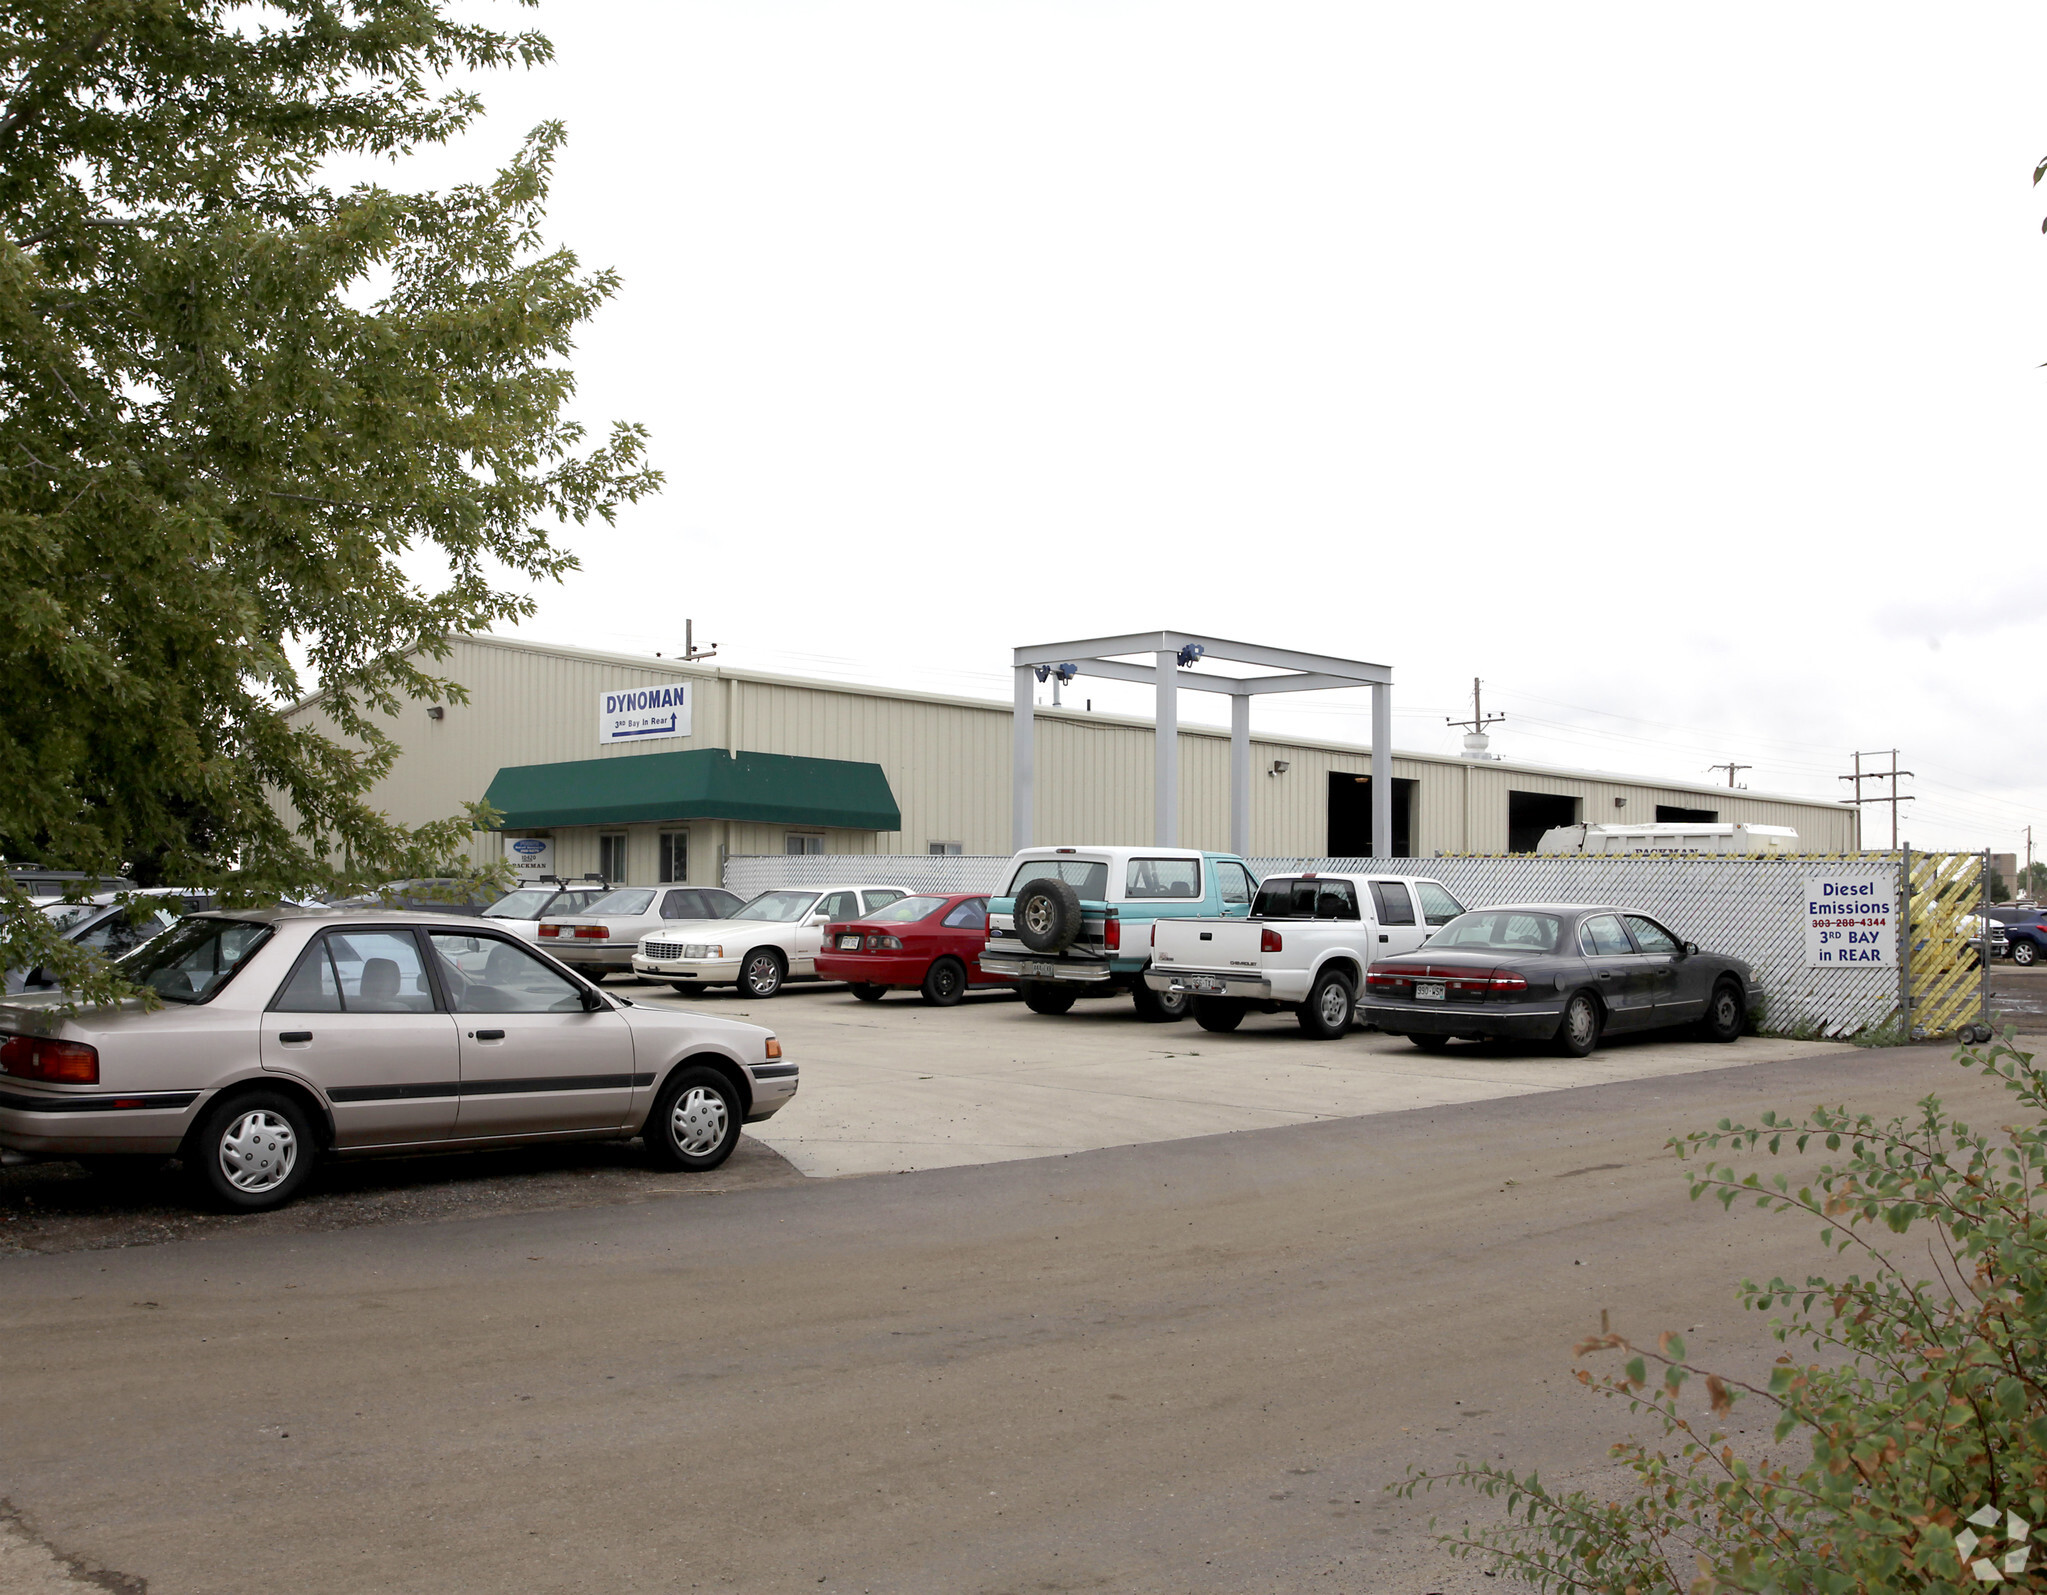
<point x="1676" y="362"/>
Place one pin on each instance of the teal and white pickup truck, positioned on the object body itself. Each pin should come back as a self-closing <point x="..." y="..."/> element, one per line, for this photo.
<point x="1076" y="922"/>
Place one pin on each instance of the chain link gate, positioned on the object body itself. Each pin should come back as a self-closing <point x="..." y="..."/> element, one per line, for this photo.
<point x="1752" y="906"/>
<point x="1945" y="979"/>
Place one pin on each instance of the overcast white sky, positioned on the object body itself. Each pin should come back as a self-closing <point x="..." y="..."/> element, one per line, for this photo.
<point x="1673" y="368"/>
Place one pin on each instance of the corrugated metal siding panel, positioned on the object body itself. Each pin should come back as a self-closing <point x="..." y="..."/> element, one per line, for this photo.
<point x="948" y="765"/>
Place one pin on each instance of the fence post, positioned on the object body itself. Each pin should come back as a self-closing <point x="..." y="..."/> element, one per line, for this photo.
<point x="1905" y="941"/>
<point x="1983" y="953"/>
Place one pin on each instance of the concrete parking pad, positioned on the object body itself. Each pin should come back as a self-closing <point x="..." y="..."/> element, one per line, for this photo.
<point x="899" y="1085"/>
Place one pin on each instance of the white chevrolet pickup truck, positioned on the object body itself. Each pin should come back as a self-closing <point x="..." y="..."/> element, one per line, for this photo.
<point x="1306" y="945"/>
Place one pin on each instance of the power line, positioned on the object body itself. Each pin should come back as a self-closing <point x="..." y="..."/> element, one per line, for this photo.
<point x="1893" y="797"/>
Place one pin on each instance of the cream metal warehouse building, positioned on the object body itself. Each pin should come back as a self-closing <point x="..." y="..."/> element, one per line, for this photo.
<point x="774" y="764"/>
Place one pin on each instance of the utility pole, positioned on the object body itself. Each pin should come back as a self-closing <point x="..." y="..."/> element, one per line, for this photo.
<point x="1894" y="797"/>
<point x="1479" y="718"/>
<point x="1730" y="769"/>
<point x="2026" y="880"/>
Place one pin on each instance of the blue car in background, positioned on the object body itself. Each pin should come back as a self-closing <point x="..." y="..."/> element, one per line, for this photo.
<point x="1076" y="922"/>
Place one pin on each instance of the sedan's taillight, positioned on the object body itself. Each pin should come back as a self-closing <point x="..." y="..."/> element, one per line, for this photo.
<point x="59" y="1062"/>
<point x="550" y="931"/>
<point x="1269" y="941"/>
<point x="593" y="933"/>
<point x="1507" y="980"/>
<point x="884" y="944"/>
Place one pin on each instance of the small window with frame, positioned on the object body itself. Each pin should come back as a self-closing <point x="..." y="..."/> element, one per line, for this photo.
<point x="611" y="857"/>
<point x="674" y="857"/>
<point x="800" y="843"/>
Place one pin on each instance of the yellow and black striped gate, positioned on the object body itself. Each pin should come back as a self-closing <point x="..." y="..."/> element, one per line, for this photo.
<point x="1944" y="979"/>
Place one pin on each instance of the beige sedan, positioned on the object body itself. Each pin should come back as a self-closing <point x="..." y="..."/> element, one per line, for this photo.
<point x="288" y="1035"/>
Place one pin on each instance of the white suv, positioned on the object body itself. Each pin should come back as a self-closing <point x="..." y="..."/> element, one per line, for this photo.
<point x="774" y="938"/>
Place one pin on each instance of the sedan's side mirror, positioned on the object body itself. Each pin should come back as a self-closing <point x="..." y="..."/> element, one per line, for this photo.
<point x="592" y="1002"/>
<point x="38" y="976"/>
<point x="820" y="919"/>
<point x="1689" y="950"/>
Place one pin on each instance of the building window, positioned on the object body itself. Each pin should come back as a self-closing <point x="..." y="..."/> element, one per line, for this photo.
<point x="611" y="857"/>
<point x="674" y="857"/>
<point x="946" y="849"/>
<point x="1670" y="814"/>
<point x="805" y="842"/>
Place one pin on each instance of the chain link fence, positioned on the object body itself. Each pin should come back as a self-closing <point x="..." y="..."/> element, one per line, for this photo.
<point x="1751" y="907"/>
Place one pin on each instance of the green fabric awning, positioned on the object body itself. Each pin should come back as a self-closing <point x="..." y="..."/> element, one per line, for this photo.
<point x="696" y="784"/>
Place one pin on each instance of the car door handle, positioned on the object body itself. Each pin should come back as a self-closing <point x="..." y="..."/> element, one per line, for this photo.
<point x="1606" y="974"/>
<point x="1384" y="937"/>
<point x="487" y="1035"/>
<point x="294" y="1035"/>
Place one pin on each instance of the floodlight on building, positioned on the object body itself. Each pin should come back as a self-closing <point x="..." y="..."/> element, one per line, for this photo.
<point x="1189" y="654"/>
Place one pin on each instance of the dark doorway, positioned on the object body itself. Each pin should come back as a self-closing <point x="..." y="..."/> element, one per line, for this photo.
<point x="1529" y="814"/>
<point x="1666" y="815"/>
<point x="1350" y="816"/>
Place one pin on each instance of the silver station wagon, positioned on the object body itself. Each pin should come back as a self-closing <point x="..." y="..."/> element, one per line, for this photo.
<point x="286" y="1035"/>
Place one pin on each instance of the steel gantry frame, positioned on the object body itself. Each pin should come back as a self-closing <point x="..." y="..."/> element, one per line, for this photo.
<point x="1173" y="654"/>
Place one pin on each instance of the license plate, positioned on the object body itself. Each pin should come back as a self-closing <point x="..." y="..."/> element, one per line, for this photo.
<point x="1042" y="971"/>
<point x="1207" y="985"/>
<point x="849" y="944"/>
<point x="1429" y="991"/>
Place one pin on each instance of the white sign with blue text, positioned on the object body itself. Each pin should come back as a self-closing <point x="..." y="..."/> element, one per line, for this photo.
<point x="531" y="856"/>
<point x="1850" y="922"/>
<point x="640" y="714"/>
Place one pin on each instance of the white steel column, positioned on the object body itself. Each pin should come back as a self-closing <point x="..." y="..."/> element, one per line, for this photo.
<point x="1165" y="819"/>
<point x="1022" y="761"/>
<point x="1382" y="770"/>
<point x="1240" y="774"/>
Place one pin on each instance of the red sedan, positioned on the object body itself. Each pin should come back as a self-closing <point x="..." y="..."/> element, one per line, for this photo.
<point x="933" y="943"/>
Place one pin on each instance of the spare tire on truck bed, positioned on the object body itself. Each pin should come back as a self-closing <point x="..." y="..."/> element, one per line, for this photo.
<point x="1047" y="915"/>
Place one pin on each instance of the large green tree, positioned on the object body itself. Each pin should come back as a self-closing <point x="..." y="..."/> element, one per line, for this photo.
<point x="235" y="393"/>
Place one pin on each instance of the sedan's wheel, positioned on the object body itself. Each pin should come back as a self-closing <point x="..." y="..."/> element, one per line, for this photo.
<point x="252" y="1152"/>
<point x="944" y="983"/>
<point x="1159" y="1007"/>
<point x="695" y="1122"/>
<point x="1220" y="1014"/>
<point x="2024" y="953"/>
<point x="1430" y="1043"/>
<point x="1040" y="997"/>
<point x="869" y="993"/>
<point x="1724" y="1014"/>
<point x="762" y="973"/>
<point x="1326" y="1014"/>
<point x="1579" y="1032"/>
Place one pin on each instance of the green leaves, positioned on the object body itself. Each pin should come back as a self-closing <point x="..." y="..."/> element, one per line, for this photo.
<point x="1920" y="1400"/>
<point x="237" y="407"/>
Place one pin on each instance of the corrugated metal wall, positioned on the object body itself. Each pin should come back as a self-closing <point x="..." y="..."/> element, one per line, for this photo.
<point x="948" y="763"/>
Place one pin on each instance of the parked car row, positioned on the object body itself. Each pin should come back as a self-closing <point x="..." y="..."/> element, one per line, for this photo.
<point x="290" y="1034"/>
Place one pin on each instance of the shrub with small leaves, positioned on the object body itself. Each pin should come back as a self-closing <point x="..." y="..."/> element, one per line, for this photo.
<point x="1919" y="1400"/>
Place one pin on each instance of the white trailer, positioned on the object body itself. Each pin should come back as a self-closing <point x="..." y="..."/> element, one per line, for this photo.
<point x="1606" y="840"/>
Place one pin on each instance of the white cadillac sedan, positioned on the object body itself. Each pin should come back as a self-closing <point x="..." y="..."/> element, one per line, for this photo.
<point x="775" y="937"/>
<point x="287" y="1035"/>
